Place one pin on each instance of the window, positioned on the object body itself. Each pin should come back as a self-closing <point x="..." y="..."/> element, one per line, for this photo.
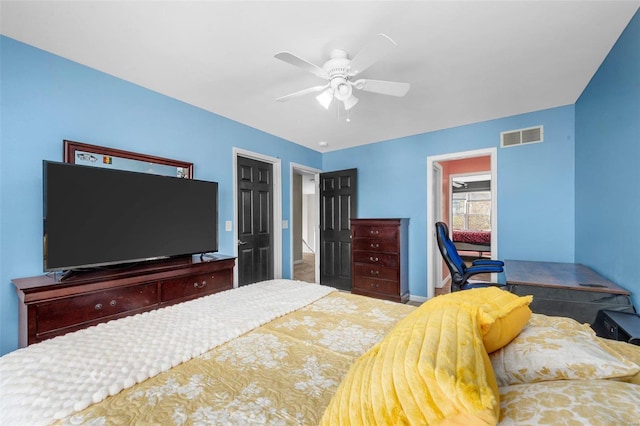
<point x="472" y="211"/>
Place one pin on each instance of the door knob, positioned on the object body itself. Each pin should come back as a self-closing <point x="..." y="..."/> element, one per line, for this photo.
<point x="241" y="243"/>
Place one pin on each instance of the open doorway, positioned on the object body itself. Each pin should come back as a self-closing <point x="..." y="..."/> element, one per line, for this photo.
<point x="470" y="214"/>
<point x="440" y="204"/>
<point x="305" y="224"/>
<point x="470" y="218"/>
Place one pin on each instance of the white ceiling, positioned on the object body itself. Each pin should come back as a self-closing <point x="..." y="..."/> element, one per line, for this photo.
<point x="466" y="61"/>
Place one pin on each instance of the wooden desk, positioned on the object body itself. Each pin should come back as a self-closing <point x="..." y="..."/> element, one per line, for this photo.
<point x="566" y="289"/>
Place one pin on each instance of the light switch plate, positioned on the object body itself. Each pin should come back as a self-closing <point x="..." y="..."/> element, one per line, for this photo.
<point x="285" y="224"/>
<point x="228" y="225"/>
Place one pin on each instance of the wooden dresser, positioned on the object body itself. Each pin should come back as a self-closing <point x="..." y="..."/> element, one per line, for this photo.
<point x="379" y="253"/>
<point x="50" y="307"/>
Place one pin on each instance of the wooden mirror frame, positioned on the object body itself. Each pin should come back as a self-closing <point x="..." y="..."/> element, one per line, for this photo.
<point x="70" y="148"/>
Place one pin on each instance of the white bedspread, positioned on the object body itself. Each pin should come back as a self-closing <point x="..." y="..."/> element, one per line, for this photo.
<point x="52" y="379"/>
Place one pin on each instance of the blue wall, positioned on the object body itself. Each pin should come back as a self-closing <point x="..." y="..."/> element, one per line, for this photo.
<point x="46" y="99"/>
<point x="608" y="165"/>
<point x="535" y="185"/>
<point x="553" y="197"/>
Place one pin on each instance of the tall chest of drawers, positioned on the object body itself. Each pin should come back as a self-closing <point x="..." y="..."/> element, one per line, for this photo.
<point x="379" y="258"/>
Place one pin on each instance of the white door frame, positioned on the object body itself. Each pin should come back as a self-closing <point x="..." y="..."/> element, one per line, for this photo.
<point x="436" y="173"/>
<point x="277" y="208"/>
<point x="316" y="216"/>
<point x="432" y="243"/>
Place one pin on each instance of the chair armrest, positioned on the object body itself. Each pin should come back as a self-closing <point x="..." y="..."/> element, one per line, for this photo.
<point x="468" y="286"/>
<point x="492" y="262"/>
<point x="483" y="269"/>
<point x="474" y="270"/>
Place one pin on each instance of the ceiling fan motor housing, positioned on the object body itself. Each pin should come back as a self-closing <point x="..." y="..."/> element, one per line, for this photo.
<point x="338" y="70"/>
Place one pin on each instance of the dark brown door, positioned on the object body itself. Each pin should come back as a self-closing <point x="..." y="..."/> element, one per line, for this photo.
<point x="255" y="221"/>
<point x="338" y="192"/>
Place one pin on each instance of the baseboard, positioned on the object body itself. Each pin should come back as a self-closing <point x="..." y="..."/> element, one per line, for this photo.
<point x="418" y="299"/>
<point x="444" y="282"/>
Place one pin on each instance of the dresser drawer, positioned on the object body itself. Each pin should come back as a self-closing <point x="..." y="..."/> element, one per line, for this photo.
<point x="374" y="231"/>
<point x="375" y="285"/>
<point x="373" y="258"/>
<point x="377" y="245"/>
<point x="93" y="306"/>
<point x="373" y="271"/>
<point x="181" y="289"/>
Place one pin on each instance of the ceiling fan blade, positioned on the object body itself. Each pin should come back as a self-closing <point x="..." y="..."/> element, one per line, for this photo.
<point x="383" y="87"/>
<point x="371" y="53"/>
<point x="292" y="59"/>
<point x="313" y="89"/>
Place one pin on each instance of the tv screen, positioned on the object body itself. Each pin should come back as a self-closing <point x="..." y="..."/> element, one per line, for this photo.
<point x="95" y="216"/>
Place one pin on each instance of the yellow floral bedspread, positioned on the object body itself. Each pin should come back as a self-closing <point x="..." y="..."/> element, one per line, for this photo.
<point x="283" y="372"/>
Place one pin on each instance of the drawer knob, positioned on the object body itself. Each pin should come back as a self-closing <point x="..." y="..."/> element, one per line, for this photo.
<point x="375" y="245"/>
<point x="98" y="306"/>
<point x="113" y="303"/>
<point x="374" y="272"/>
<point x="373" y="259"/>
<point x="374" y="232"/>
<point x="200" y="285"/>
<point x="375" y="285"/>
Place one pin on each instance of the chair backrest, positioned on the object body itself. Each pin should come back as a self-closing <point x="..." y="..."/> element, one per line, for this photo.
<point x="450" y="253"/>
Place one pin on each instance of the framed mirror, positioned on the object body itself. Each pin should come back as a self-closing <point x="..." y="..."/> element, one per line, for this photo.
<point x="98" y="156"/>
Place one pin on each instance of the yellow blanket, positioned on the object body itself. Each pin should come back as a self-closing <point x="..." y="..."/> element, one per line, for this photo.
<point x="431" y="369"/>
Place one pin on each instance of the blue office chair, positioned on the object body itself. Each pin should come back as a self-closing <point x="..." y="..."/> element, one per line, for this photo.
<point x="460" y="273"/>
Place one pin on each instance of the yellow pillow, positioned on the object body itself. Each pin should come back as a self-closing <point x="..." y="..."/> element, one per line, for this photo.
<point x="506" y="328"/>
<point x="431" y="368"/>
<point x="502" y="314"/>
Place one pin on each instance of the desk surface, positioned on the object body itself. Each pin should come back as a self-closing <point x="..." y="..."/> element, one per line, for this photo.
<point x="572" y="276"/>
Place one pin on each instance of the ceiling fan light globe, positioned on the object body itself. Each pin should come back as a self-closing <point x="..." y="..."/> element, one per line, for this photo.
<point x="343" y="91"/>
<point x="325" y="98"/>
<point x="350" y="102"/>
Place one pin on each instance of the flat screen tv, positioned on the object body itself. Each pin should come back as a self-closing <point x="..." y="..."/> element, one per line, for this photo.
<point x="96" y="216"/>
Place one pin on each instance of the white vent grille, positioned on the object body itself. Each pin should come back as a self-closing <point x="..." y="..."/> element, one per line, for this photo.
<point x="521" y="136"/>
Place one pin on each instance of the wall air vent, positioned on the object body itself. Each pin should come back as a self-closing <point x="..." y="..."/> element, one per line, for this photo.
<point x="521" y="136"/>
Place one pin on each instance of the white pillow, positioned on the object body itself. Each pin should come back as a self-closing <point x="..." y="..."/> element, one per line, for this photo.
<point x="555" y="348"/>
<point x="569" y="402"/>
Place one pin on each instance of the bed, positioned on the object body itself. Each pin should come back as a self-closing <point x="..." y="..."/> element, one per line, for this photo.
<point x="479" y="241"/>
<point x="286" y="352"/>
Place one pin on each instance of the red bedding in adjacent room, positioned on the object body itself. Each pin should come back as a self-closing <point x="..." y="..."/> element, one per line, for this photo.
<point x="472" y="237"/>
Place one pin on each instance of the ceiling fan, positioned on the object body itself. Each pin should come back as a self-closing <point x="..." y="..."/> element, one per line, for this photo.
<point x="339" y="71"/>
